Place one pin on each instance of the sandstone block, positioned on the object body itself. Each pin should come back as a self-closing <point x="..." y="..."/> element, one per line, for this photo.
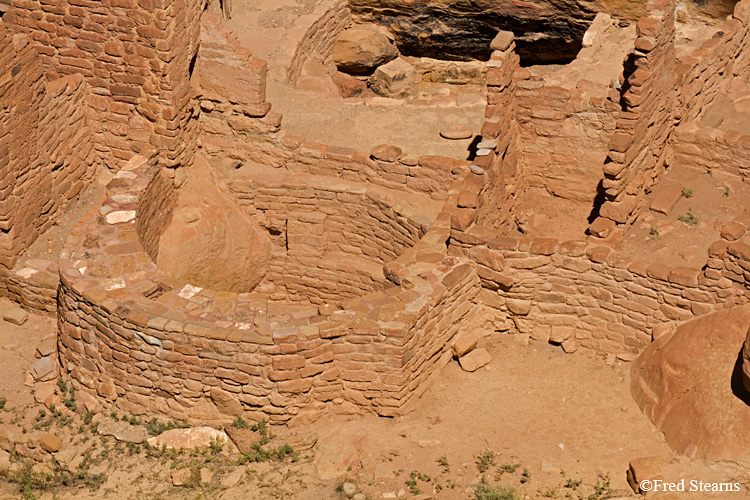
<point x="188" y="439"/>
<point x="348" y="85"/>
<point x="665" y="198"/>
<point x="475" y="360"/>
<point x="123" y="431"/>
<point x="16" y="315"/>
<point x="44" y="369"/>
<point x="733" y="231"/>
<point x="464" y="342"/>
<point x="502" y="41"/>
<point x="50" y="443"/>
<point x="519" y="307"/>
<point x="225" y="402"/>
<point x="395" y="79"/>
<point x="362" y="48"/>
<point x="182" y="477"/>
<point x="456" y="132"/>
<point x="644" y="468"/>
<point x="387" y="153"/>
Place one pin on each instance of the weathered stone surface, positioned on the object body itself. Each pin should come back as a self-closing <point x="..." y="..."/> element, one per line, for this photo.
<point x="348" y="85"/>
<point x="182" y="477"/>
<point x="16" y="315"/>
<point x="394" y="79"/>
<point x="384" y="152"/>
<point x="50" y="443"/>
<point x="689" y="383"/>
<point x="225" y="402"/>
<point x="666" y="197"/>
<point x="188" y="439"/>
<point x="475" y="360"/>
<point x="339" y="452"/>
<point x="123" y="431"/>
<point x="464" y="342"/>
<point x="644" y="468"/>
<point x="502" y="40"/>
<point x="362" y="48"/>
<point x="210" y="241"/>
<point x="44" y="369"/>
<point x="456" y="132"/>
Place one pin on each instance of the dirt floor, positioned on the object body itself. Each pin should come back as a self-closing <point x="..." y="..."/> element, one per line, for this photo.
<point x="677" y="238"/>
<point x="544" y="423"/>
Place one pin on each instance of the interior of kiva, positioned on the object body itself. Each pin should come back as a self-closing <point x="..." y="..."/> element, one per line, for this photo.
<point x="374" y="249"/>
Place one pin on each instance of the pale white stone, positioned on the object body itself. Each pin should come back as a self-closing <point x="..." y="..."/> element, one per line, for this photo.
<point x="120" y="216"/>
<point x="189" y="291"/>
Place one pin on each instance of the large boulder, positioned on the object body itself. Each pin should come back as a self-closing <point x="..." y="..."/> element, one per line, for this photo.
<point x="210" y="241"/>
<point x="362" y="48"/>
<point x="690" y="385"/>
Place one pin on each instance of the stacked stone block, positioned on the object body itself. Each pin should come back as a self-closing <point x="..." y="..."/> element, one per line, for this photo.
<point x="505" y="181"/>
<point x="149" y="344"/>
<point x="136" y="58"/>
<point x="639" y="151"/>
<point x="333" y="236"/>
<point x="45" y="149"/>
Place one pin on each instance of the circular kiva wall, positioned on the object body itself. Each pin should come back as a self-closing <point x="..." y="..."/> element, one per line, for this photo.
<point x="330" y="237"/>
<point x="148" y="343"/>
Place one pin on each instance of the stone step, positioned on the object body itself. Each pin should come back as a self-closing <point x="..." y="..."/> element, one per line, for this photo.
<point x="666" y="198"/>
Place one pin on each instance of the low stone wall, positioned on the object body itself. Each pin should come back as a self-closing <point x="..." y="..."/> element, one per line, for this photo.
<point x="148" y="344"/>
<point x="710" y="150"/>
<point x="332" y="236"/>
<point x="580" y="294"/>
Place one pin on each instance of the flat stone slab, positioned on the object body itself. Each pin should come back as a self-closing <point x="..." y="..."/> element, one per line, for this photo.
<point x="16" y="315"/>
<point x="123" y="431"/>
<point x="666" y="198"/>
<point x="475" y="360"/>
<point x="456" y="132"/>
<point x="188" y="439"/>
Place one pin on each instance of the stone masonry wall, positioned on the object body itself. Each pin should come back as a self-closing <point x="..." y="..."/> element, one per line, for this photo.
<point x="45" y="146"/>
<point x="135" y="56"/>
<point x="505" y="181"/>
<point x="565" y="134"/>
<point x="638" y="151"/>
<point x="320" y="31"/>
<point x="147" y="344"/>
<point x="332" y="239"/>
<point x="583" y="295"/>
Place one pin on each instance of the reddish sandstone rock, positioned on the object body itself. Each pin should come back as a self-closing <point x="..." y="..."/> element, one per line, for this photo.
<point x="395" y="79"/>
<point x="689" y="383"/>
<point x="210" y="241"/>
<point x="456" y="132"/>
<point x="50" y="443"/>
<point x="349" y="86"/>
<point x="188" y="439"/>
<point x="644" y="468"/>
<point x="475" y="360"/>
<point x="362" y="48"/>
<point x="465" y="342"/>
<point x="384" y="152"/>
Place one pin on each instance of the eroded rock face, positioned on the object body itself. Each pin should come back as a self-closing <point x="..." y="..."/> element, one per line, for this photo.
<point x="362" y="48"/>
<point x="545" y="30"/>
<point x="210" y="241"/>
<point x="690" y="385"/>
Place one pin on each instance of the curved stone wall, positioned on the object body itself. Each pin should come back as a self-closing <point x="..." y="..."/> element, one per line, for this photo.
<point x="152" y="345"/>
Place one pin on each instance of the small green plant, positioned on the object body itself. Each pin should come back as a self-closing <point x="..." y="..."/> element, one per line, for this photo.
<point x="340" y="488"/>
<point x="216" y="445"/>
<point x="418" y="475"/>
<point x="654" y="231"/>
<point x="485" y="491"/>
<point x="602" y="488"/>
<point x="525" y="476"/>
<point x="687" y="192"/>
<point x="62" y="384"/>
<point x="412" y="485"/>
<point x="485" y="461"/>
<point x="726" y="192"/>
<point x="573" y="483"/>
<point x="239" y="423"/>
<point x="443" y="462"/>
<point x="689" y="218"/>
<point x="3" y="401"/>
<point x="508" y="468"/>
